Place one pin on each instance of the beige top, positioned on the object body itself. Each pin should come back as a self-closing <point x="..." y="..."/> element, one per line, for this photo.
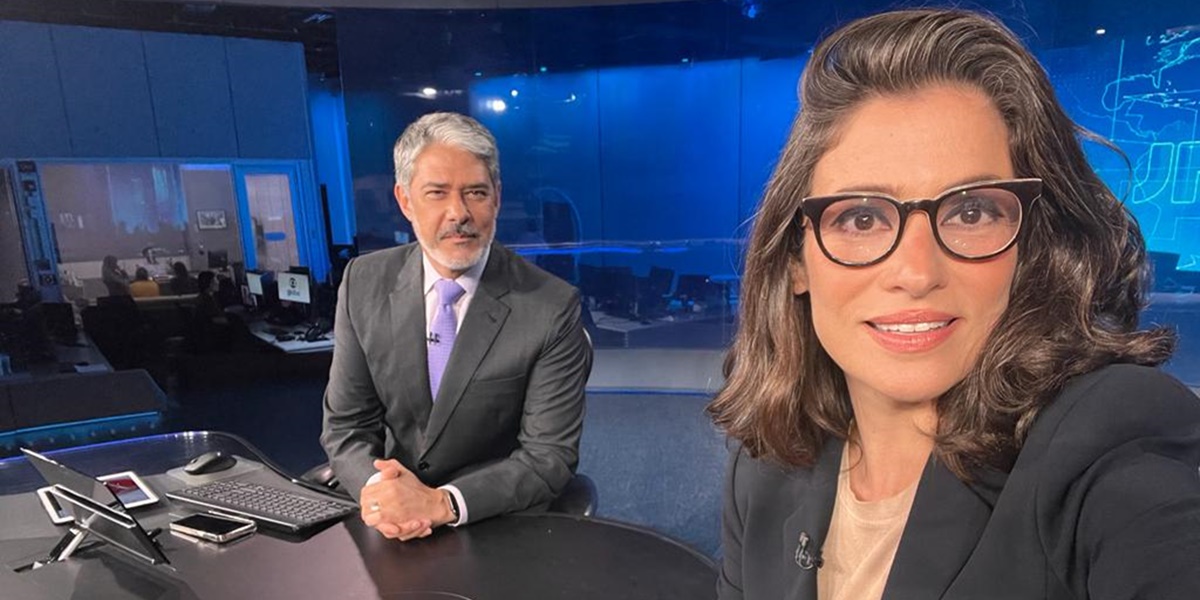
<point x="143" y="288"/>
<point x="862" y="541"/>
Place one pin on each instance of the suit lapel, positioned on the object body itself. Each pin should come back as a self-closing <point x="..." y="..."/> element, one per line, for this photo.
<point x="484" y="318"/>
<point x="814" y="508"/>
<point x="407" y="302"/>
<point x="943" y="528"/>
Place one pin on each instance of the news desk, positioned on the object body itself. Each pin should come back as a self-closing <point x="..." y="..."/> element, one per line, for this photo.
<point x="545" y="556"/>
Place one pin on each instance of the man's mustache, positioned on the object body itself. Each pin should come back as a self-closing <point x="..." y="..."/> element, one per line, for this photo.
<point x="458" y="229"/>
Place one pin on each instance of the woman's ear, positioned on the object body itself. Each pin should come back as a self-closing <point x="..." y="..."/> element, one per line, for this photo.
<point x="799" y="276"/>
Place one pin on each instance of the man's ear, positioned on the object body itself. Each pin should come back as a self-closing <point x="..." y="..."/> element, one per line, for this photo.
<point x="799" y="276"/>
<point x="403" y="200"/>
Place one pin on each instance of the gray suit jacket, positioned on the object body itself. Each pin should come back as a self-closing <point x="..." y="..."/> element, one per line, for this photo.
<point x="506" y="425"/>
<point x="1103" y="502"/>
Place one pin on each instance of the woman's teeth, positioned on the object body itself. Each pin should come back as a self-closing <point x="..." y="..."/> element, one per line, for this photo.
<point x="910" y="327"/>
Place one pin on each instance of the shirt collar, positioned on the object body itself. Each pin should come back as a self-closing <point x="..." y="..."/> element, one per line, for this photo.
<point x="469" y="280"/>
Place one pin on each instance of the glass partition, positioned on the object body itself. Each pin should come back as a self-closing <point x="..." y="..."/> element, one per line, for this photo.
<point x="1140" y="94"/>
<point x="648" y="294"/>
<point x="149" y="215"/>
<point x="637" y="140"/>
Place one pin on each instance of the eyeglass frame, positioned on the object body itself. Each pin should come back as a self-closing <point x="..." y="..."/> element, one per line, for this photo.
<point x="1027" y="190"/>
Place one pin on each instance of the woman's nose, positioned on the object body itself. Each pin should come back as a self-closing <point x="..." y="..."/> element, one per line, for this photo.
<point x="918" y="265"/>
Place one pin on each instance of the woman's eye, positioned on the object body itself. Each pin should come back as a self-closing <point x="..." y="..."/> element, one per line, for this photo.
<point x="972" y="211"/>
<point x="859" y="220"/>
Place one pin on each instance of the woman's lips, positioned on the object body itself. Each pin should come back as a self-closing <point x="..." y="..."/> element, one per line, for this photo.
<point x="912" y="332"/>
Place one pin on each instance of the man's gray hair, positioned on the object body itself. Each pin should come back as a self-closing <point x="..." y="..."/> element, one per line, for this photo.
<point x="445" y="128"/>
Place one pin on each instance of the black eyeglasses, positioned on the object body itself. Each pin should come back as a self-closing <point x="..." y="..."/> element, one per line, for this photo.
<point x="971" y="222"/>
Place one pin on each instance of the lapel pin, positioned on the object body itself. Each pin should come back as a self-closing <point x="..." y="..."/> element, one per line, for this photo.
<point x="804" y="558"/>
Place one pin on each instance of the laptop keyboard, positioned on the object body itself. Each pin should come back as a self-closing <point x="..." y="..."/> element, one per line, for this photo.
<point x="266" y="504"/>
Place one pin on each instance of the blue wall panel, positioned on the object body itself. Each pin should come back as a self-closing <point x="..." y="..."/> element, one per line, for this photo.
<point x="193" y="109"/>
<point x="268" y="83"/>
<point x="769" y="103"/>
<point x="669" y="146"/>
<point x="106" y="93"/>
<point x="32" y="117"/>
<point x="332" y="157"/>
<point x="549" y="136"/>
<point x="669" y="150"/>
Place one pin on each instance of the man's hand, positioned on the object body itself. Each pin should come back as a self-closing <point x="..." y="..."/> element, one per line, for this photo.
<point x="400" y="507"/>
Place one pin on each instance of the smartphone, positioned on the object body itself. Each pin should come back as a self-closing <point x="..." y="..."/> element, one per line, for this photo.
<point x="129" y="489"/>
<point x="214" y="527"/>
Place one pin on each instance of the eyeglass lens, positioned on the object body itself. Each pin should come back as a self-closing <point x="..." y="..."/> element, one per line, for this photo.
<point x="970" y="223"/>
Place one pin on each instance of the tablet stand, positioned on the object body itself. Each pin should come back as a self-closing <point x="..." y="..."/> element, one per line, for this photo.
<point x="118" y="529"/>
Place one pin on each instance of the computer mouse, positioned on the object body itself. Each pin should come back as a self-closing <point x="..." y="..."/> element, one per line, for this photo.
<point x="209" y="462"/>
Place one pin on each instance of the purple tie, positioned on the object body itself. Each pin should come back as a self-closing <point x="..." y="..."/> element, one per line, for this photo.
<point x="442" y="332"/>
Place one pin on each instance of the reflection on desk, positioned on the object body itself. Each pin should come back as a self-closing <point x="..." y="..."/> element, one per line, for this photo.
<point x="517" y="556"/>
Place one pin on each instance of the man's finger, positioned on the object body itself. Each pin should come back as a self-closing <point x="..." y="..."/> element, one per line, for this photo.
<point x="414" y="529"/>
<point x="388" y="474"/>
<point x="389" y="530"/>
<point x="391" y="469"/>
<point x="391" y="463"/>
<point x="370" y="504"/>
<point x="371" y="519"/>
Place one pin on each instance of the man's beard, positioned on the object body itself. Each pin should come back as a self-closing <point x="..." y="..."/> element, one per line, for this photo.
<point x="460" y="229"/>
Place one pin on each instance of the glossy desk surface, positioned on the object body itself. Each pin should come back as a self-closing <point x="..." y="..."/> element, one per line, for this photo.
<point x="518" y="556"/>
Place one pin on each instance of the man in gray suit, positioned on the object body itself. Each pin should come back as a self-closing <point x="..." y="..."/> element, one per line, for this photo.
<point x="456" y="391"/>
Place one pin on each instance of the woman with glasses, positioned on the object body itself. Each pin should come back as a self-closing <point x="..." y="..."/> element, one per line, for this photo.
<point x="938" y="388"/>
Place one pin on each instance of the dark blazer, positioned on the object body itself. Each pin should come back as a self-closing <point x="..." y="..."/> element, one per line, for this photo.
<point x="506" y="425"/>
<point x="1102" y="502"/>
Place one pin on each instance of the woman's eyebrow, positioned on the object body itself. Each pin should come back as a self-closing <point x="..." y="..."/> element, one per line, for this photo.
<point x="890" y="190"/>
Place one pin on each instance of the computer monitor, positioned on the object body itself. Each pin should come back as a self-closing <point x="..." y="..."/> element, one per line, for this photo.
<point x="617" y="291"/>
<point x="249" y="300"/>
<point x="658" y="282"/>
<point x="294" y="287"/>
<point x="254" y="281"/>
<point x="590" y="283"/>
<point x="652" y="292"/>
<point x="218" y="259"/>
<point x="60" y="320"/>
<point x="324" y="301"/>
<point x="694" y="287"/>
<point x="1162" y="271"/>
<point x="239" y="271"/>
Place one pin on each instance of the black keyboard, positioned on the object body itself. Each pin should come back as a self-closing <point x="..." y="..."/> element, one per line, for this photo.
<point x="269" y="506"/>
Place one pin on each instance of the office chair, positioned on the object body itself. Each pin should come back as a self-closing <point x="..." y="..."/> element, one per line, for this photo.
<point x="322" y="476"/>
<point x="579" y="498"/>
<point x="653" y="292"/>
